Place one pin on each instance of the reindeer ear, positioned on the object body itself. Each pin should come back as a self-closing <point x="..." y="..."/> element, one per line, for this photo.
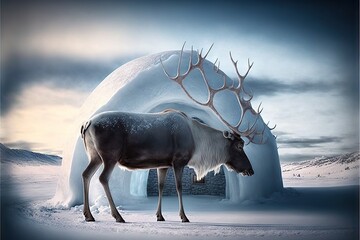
<point x="228" y="135"/>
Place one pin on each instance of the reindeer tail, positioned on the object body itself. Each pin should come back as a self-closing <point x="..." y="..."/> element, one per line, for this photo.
<point x="84" y="127"/>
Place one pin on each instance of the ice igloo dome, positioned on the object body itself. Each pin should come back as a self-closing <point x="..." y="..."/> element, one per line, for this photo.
<point x="142" y="86"/>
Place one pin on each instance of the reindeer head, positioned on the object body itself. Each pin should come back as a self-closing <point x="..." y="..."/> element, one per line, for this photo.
<point x="237" y="161"/>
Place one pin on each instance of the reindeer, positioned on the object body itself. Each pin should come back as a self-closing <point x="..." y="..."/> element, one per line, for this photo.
<point x="166" y="139"/>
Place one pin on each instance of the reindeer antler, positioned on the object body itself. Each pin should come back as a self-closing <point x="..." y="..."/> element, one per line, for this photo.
<point x="244" y="104"/>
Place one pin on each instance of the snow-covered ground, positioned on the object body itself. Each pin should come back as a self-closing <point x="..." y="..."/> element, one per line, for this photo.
<point x="323" y="171"/>
<point x="21" y="156"/>
<point x="317" y="210"/>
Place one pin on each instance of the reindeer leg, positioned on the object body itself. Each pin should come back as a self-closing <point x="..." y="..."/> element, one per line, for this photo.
<point x="104" y="180"/>
<point x="161" y="181"/>
<point x="178" y="171"/>
<point x="94" y="165"/>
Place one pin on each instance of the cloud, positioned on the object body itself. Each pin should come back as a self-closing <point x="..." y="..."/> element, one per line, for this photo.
<point x="20" y="144"/>
<point x="43" y="118"/>
<point x="348" y="88"/>
<point x="270" y="87"/>
<point x="23" y="72"/>
<point x="285" y="158"/>
<point x="30" y="146"/>
<point x="288" y="142"/>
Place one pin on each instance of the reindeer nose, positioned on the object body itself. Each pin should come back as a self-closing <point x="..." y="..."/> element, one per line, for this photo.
<point x="248" y="172"/>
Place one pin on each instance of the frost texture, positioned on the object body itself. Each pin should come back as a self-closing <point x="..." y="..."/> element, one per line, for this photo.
<point x="142" y="86"/>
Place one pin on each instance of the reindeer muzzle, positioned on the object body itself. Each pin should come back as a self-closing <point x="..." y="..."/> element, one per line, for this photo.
<point x="248" y="172"/>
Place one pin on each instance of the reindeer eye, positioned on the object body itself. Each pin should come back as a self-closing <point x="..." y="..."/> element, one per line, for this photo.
<point x="239" y="146"/>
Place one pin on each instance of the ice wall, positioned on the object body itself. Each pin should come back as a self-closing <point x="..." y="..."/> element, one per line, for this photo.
<point x="142" y="86"/>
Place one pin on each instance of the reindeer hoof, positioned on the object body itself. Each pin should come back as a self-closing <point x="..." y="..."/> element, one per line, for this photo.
<point x="185" y="219"/>
<point x="160" y="218"/>
<point x="118" y="217"/>
<point x="120" y="220"/>
<point x="90" y="219"/>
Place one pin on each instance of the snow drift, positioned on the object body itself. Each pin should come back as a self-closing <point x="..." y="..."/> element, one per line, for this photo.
<point x="337" y="170"/>
<point x="142" y="86"/>
<point x="21" y="156"/>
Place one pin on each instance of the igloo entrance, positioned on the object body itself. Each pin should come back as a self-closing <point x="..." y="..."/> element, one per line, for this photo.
<point x="211" y="184"/>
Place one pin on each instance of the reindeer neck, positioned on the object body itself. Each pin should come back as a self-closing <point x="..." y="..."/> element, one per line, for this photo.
<point x="210" y="149"/>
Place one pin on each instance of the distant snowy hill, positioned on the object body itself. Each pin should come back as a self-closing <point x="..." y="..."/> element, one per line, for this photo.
<point x="330" y="171"/>
<point x="20" y="156"/>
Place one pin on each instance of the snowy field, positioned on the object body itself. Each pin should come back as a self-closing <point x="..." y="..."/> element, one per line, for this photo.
<point x="323" y="171"/>
<point x="316" y="210"/>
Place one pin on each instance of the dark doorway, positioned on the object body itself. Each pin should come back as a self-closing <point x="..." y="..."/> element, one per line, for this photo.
<point x="210" y="185"/>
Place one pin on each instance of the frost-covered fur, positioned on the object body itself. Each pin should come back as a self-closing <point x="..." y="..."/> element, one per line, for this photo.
<point x="210" y="149"/>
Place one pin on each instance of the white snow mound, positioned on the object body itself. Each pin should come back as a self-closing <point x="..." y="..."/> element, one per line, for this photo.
<point x="142" y="86"/>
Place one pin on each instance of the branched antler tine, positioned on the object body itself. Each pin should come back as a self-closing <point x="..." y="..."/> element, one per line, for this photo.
<point x="215" y="61"/>
<point x="179" y="63"/>
<point x="240" y="120"/>
<point x="208" y="51"/>
<point x="224" y="84"/>
<point x="262" y="135"/>
<point x="198" y="58"/>
<point x="201" y="53"/>
<point x="190" y="62"/>
<point x="248" y="70"/>
<point x="241" y="78"/>
<point x="250" y="140"/>
<point x="257" y="134"/>
<point x="244" y="109"/>
<point x="250" y="65"/>
<point x="232" y="83"/>
<point x="272" y="127"/>
<point x="267" y="124"/>
<point x="250" y="97"/>
<point x="250" y="94"/>
<point x="258" y="109"/>
<point x="166" y="73"/>
<point x="251" y="129"/>
<point x="183" y="46"/>
<point x="223" y="120"/>
<point x="191" y="56"/>
<point x="215" y="67"/>
<point x="257" y="118"/>
<point x="235" y="63"/>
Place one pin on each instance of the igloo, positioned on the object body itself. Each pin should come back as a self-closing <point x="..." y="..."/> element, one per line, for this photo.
<point x="143" y="86"/>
